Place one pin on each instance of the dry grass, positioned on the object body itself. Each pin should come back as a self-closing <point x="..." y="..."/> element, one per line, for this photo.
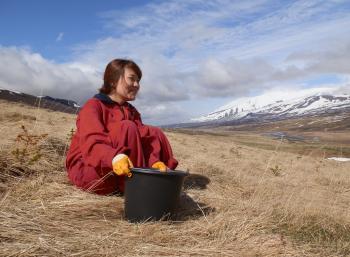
<point x="316" y="144"/>
<point x="239" y="201"/>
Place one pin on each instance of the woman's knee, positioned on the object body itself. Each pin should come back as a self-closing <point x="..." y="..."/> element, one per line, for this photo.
<point x="82" y="176"/>
<point x="155" y="131"/>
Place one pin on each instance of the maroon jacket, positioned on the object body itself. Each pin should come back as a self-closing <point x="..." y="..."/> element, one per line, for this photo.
<point x="91" y="151"/>
<point x="91" y="141"/>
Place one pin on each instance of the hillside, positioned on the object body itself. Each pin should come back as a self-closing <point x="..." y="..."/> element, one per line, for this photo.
<point x="247" y="195"/>
<point x="272" y="108"/>
<point x="46" y="102"/>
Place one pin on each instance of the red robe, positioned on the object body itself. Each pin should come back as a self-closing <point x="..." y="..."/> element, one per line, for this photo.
<point x="105" y="129"/>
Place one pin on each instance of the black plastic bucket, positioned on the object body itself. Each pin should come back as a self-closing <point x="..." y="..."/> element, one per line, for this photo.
<point x="151" y="194"/>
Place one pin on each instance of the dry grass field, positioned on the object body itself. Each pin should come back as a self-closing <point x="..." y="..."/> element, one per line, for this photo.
<point x="247" y="195"/>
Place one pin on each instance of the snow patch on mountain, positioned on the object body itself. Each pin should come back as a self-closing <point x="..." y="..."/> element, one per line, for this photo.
<point x="279" y="104"/>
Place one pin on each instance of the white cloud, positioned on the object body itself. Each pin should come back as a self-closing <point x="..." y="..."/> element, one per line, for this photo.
<point x="220" y="48"/>
<point x="230" y="78"/>
<point x="161" y="113"/>
<point x="344" y="89"/>
<point x="28" y="72"/>
<point x="237" y="78"/>
<point x="59" y="37"/>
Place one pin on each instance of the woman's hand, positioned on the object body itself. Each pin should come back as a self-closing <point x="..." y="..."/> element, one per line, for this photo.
<point x="122" y="165"/>
<point x="159" y="166"/>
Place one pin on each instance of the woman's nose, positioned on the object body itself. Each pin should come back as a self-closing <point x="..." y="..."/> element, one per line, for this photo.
<point x="136" y="84"/>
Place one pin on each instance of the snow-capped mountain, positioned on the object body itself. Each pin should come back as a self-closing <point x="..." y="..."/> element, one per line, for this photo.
<point x="55" y="104"/>
<point x="268" y="107"/>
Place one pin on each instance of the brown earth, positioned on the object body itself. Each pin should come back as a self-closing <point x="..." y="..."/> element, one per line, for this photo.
<point x="247" y="195"/>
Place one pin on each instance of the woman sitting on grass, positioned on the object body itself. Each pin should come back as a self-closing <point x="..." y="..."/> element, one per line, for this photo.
<point x="110" y="135"/>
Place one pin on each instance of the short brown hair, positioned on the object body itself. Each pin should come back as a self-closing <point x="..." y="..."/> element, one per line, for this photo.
<point x="114" y="70"/>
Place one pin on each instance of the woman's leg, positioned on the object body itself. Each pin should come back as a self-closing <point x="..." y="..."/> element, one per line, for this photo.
<point x="156" y="147"/>
<point x="88" y="179"/>
<point x="125" y="135"/>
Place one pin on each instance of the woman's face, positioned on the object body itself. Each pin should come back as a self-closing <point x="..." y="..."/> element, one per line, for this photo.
<point x="127" y="86"/>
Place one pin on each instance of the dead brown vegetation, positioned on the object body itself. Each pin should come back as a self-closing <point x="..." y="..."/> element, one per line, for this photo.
<point x="240" y="200"/>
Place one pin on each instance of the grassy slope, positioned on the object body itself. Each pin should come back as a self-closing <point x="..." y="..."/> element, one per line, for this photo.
<point x="260" y="201"/>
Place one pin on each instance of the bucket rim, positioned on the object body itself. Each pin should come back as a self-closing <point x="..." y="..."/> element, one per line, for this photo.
<point x="152" y="171"/>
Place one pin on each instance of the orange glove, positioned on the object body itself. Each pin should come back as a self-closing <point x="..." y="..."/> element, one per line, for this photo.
<point x="159" y="166"/>
<point x="122" y="165"/>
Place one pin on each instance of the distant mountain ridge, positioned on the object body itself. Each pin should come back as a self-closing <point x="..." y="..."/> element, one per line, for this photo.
<point x="317" y="104"/>
<point x="47" y="102"/>
<point x="273" y="107"/>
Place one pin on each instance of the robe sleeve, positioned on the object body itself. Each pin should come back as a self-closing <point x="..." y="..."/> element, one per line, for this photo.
<point x="94" y="141"/>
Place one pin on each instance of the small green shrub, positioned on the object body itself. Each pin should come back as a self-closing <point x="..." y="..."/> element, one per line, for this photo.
<point x="276" y="170"/>
<point x="27" y="148"/>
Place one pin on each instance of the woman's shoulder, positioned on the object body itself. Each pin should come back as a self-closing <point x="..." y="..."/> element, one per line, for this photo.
<point x="92" y="103"/>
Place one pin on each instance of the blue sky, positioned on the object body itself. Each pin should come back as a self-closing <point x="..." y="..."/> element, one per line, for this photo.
<point x="38" y="23"/>
<point x="195" y="55"/>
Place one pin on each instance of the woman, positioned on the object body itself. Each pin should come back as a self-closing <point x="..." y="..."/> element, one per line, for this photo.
<point x="111" y="138"/>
